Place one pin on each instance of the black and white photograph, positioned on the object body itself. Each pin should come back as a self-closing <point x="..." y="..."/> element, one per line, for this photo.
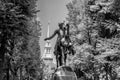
<point x="59" y="39"/>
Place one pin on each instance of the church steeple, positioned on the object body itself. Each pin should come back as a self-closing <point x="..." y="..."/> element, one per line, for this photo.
<point x="47" y="56"/>
<point x="48" y="43"/>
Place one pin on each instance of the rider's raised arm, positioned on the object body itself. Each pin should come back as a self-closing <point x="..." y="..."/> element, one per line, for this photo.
<point x="53" y="35"/>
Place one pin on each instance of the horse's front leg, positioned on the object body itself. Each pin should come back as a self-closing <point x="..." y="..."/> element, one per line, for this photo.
<point x="57" y="60"/>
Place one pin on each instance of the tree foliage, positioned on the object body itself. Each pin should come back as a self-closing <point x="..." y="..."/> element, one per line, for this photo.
<point x="19" y="40"/>
<point x="96" y="37"/>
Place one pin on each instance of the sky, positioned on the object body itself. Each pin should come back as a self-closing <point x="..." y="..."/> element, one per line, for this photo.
<point x="53" y="11"/>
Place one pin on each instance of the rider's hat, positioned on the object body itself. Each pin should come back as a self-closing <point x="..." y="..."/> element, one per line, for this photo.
<point x="60" y="25"/>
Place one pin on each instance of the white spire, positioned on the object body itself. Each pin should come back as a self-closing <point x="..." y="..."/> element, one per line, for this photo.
<point x="48" y="32"/>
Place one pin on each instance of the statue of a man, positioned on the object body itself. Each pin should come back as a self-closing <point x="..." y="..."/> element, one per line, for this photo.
<point x="68" y="46"/>
<point x="58" y="50"/>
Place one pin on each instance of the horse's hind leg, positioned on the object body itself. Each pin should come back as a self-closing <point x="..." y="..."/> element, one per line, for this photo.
<point x="65" y="57"/>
